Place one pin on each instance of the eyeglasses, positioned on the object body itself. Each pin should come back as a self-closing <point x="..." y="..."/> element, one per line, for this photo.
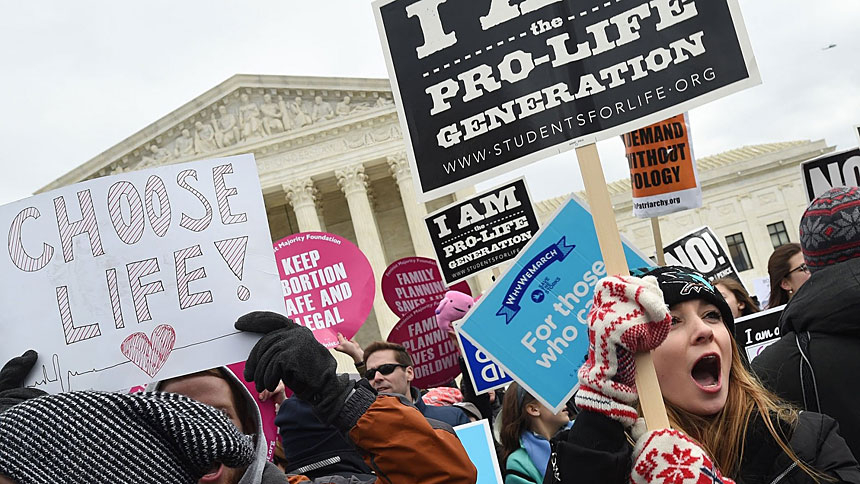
<point x="385" y="369"/>
<point x="801" y="268"/>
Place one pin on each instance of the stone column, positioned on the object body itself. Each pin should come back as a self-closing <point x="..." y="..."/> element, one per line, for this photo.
<point x="415" y="210"/>
<point x="302" y="195"/>
<point x="353" y="182"/>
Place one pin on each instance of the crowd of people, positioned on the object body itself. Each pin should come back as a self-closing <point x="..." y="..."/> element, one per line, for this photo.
<point x="786" y="418"/>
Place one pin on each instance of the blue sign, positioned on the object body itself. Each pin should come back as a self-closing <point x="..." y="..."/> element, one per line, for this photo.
<point x="485" y="373"/>
<point x="478" y="442"/>
<point x="533" y="322"/>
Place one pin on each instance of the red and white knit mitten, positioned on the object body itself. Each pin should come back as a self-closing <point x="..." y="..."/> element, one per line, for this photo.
<point x="667" y="456"/>
<point x="628" y="315"/>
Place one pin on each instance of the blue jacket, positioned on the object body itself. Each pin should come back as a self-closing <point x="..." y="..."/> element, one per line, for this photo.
<point x="452" y="416"/>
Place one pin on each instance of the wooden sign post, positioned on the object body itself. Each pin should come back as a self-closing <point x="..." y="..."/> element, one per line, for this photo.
<point x="658" y="241"/>
<point x="650" y="398"/>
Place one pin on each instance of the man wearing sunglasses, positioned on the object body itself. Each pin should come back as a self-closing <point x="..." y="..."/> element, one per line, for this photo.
<point x="389" y="370"/>
<point x="817" y="358"/>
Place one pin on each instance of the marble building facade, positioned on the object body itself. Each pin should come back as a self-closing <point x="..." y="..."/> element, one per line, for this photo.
<point x="331" y="157"/>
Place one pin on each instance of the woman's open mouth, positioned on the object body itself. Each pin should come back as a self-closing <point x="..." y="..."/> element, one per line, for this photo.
<point x="707" y="373"/>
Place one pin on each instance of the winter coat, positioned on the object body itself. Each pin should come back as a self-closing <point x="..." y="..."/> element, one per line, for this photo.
<point x="402" y="446"/>
<point x="826" y="310"/>
<point x="596" y="451"/>
<point x="519" y="469"/>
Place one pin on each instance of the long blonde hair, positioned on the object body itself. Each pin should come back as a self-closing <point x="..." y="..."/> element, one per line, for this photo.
<point x="723" y="435"/>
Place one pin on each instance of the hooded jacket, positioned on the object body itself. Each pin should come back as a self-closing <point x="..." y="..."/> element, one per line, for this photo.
<point x="261" y="471"/>
<point x="826" y="309"/>
<point x="596" y="451"/>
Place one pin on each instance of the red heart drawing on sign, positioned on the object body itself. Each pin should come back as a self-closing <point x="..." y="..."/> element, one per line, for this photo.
<point x="149" y="354"/>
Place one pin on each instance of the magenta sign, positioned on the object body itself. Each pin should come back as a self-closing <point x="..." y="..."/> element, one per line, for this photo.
<point x="327" y="282"/>
<point x="434" y="354"/>
<point x="267" y="409"/>
<point x="412" y="281"/>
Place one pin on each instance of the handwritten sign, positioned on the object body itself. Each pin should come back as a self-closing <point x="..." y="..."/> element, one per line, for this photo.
<point x="486" y="86"/>
<point x="483" y="231"/>
<point x="662" y="169"/>
<point x="327" y="283"/>
<point x="534" y="321"/>
<point x="413" y="281"/>
<point x="435" y="357"/>
<point x="121" y="279"/>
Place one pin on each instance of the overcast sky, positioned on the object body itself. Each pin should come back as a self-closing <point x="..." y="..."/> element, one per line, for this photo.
<point x="79" y="77"/>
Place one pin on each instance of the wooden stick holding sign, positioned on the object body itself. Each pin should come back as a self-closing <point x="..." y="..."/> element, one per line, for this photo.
<point x="650" y="398"/>
<point x="658" y="241"/>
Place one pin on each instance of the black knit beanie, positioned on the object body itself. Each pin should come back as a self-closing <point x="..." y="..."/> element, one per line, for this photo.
<point x="89" y="437"/>
<point x="681" y="284"/>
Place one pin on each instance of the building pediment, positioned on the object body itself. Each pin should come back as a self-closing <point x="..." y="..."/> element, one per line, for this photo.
<point x="253" y="114"/>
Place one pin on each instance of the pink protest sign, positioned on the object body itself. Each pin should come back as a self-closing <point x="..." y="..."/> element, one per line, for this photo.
<point x="327" y="283"/>
<point x="434" y="354"/>
<point x="267" y="409"/>
<point x="412" y="281"/>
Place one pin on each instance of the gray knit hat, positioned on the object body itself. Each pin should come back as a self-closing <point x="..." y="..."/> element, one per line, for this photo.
<point x="830" y="228"/>
<point x="89" y="437"/>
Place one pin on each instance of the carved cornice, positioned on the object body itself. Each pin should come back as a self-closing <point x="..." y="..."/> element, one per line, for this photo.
<point x="350" y="138"/>
<point x="243" y="114"/>
<point x="352" y="179"/>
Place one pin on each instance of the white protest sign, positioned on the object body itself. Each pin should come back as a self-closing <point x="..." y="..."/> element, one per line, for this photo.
<point x="757" y="331"/>
<point x="840" y="169"/>
<point x="124" y="279"/>
<point x="483" y="87"/>
<point x="700" y="250"/>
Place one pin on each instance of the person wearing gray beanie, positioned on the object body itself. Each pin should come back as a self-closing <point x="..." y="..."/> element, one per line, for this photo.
<point x="98" y="437"/>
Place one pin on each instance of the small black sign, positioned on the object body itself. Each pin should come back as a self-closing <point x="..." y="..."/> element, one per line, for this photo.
<point x="483" y="231"/>
<point x="757" y="331"/>
<point x="833" y="170"/>
<point x="480" y="84"/>
<point x="700" y="250"/>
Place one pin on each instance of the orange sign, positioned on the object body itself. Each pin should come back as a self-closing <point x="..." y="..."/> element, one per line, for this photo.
<point x="660" y="158"/>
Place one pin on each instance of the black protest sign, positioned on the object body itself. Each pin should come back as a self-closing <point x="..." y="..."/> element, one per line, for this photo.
<point x="483" y="86"/>
<point x="757" y="331"/>
<point x="700" y="250"/>
<point x="483" y="231"/>
<point x="833" y="170"/>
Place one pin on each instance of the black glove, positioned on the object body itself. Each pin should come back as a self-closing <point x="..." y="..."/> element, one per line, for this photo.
<point x="12" y="376"/>
<point x="288" y="352"/>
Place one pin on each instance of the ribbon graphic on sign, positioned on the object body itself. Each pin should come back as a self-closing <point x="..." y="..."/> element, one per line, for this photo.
<point x="555" y="252"/>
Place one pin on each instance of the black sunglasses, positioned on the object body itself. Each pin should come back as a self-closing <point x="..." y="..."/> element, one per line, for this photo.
<point x="385" y="369"/>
